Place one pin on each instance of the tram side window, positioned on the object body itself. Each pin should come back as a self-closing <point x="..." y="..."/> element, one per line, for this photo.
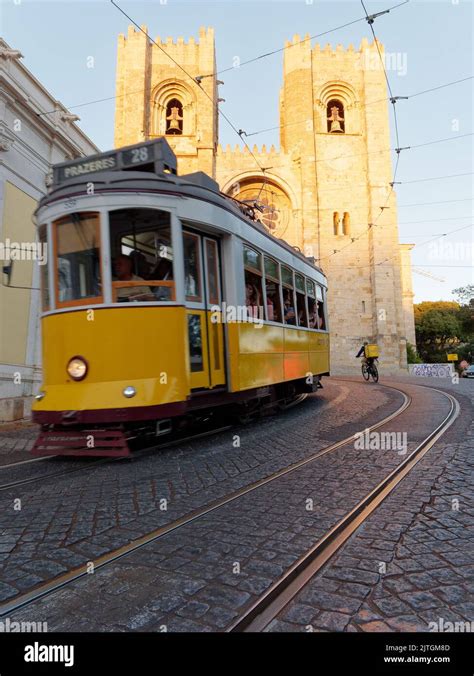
<point x="212" y="270"/>
<point x="78" y="258"/>
<point x="288" y="296"/>
<point x="253" y="282"/>
<point x="272" y="289"/>
<point x="301" y="301"/>
<point x="192" y="267"/>
<point x="141" y="252"/>
<point x="195" y="342"/>
<point x="312" y="308"/>
<point x="321" y="321"/>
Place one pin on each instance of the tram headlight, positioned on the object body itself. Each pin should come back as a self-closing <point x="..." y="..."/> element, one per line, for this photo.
<point x="77" y="368"/>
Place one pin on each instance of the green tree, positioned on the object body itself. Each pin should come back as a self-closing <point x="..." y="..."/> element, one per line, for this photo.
<point x="438" y="329"/>
<point x="412" y="356"/>
<point x="443" y="306"/>
<point x="465" y="317"/>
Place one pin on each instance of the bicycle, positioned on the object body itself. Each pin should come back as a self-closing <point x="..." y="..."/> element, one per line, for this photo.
<point x="370" y="370"/>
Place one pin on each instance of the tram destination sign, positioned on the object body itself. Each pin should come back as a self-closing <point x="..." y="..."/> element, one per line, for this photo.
<point x="155" y="156"/>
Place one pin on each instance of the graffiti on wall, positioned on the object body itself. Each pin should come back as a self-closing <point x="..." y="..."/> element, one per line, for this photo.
<point x="431" y="370"/>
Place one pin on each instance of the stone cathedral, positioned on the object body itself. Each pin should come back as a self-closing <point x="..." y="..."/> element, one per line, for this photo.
<point x="326" y="190"/>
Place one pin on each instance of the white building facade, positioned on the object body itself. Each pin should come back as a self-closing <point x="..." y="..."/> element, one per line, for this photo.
<point x="36" y="131"/>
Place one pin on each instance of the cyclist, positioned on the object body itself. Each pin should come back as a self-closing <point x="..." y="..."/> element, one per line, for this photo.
<point x="368" y="362"/>
<point x="365" y="360"/>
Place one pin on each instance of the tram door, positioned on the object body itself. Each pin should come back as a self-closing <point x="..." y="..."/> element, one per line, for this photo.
<point x="202" y="282"/>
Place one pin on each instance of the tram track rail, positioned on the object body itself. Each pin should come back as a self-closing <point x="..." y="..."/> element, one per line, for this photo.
<point x="71" y="576"/>
<point x="30" y="461"/>
<point x="277" y="597"/>
<point x="101" y="461"/>
<point x="149" y="450"/>
<point x="52" y="475"/>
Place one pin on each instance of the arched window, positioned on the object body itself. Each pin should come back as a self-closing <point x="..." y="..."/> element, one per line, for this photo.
<point x="174" y="117"/>
<point x="335" y="222"/>
<point x="335" y="117"/>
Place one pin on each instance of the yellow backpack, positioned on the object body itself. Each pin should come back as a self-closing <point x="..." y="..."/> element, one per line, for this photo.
<point x="371" y="351"/>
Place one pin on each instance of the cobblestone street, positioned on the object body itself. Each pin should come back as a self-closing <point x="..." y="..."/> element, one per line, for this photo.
<point x="410" y="564"/>
<point x="65" y="523"/>
<point x="16" y="440"/>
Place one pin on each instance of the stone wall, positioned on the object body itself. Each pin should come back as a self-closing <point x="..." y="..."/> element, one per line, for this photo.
<point x="330" y="193"/>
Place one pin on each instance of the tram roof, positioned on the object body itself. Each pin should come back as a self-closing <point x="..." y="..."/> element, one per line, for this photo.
<point x="195" y="186"/>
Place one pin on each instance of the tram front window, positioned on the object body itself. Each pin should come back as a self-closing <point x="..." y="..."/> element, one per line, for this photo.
<point x="142" y="256"/>
<point x="78" y="259"/>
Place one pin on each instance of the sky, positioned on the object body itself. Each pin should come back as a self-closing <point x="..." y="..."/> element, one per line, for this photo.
<point x="431" y="42"/>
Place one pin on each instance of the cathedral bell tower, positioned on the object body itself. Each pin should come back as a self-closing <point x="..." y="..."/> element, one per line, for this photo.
<point x="155" y="97"/>
<point x="335" y="119"/>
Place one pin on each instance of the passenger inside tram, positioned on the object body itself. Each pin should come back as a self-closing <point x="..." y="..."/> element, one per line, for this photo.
<point x="141" y="239"/>
<point x="320" y="316"/>
<point x="289" y="310"/>
<point x="252" y="299"/>
<point x="301" y="307"/>
<point x="140" y="265"/>
<point x="123" y="265"/>
<point x="253" y="294"/>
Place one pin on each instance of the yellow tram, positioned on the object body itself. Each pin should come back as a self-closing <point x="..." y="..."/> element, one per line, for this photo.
<point x="163" y="298"/>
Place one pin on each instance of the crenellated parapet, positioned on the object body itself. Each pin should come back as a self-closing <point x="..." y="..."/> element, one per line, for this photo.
<point x="238" y="150"/>
<point x="195" y="53"/>
<point x="234" y="159"/>
<point x="299" y="54"/>
<point x="206" y="36"/>
<point x="339" y="50"/>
